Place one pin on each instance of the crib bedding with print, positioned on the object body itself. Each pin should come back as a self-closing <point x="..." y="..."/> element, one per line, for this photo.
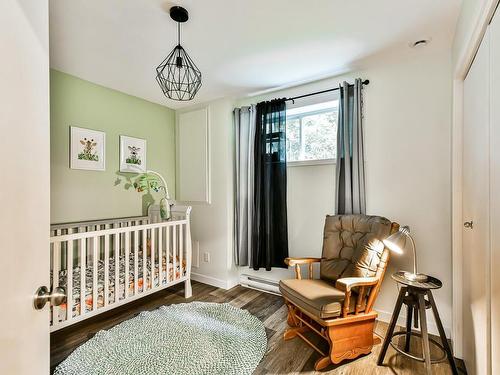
<point x="111" y="280"/>
<point x="151" y="256"/>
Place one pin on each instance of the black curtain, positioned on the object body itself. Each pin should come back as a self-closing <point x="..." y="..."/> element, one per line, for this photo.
<point x="270" y="233"/>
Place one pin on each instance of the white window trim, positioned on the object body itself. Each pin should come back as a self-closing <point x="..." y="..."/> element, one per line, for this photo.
<point x="307" y="163"/>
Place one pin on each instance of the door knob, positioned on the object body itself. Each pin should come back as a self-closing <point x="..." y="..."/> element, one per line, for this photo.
<point x="56" y="297"/>
<point x="469" y="224"/>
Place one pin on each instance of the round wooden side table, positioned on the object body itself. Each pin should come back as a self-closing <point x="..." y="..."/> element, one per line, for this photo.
<point x="412" y="294"/>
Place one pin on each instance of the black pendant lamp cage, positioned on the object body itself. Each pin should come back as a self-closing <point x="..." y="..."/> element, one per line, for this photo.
<point x="177" y="75"/>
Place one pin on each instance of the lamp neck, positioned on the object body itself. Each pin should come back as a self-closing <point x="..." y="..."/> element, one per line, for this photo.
<point x="414" y="253"/>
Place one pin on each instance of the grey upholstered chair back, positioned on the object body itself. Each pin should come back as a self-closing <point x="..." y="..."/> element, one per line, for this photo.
<point x="352" y="246"/>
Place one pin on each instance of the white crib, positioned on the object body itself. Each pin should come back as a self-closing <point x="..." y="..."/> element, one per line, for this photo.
<point x="150" y="257"/>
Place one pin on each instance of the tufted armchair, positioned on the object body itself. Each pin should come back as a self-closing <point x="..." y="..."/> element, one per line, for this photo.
<point x="338" y="306"/>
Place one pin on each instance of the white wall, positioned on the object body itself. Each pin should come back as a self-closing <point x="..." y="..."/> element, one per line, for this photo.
<point x="212" y="224"/>
<point x="407" y="135"/>
<point x="310" y="198"/>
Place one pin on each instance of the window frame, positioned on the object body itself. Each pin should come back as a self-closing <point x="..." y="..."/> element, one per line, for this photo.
<point x="305" y="163"/>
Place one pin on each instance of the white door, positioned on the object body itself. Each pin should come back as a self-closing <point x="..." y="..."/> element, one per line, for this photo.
<point x="495" y="192"/>
<point x="24" y="185"/>
<point x="476" y="209"/>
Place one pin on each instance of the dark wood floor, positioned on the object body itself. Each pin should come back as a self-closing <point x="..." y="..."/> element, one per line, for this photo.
<point x="290" y="357"/>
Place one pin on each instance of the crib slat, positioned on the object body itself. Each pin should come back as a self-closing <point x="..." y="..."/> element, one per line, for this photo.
<point x="116" y="254"/>
<point x="69" y="279"/>
<point x="56" y="264"/>
<point x="181" y="247"/>
<point x="83" y="273"/>
<point x="144" y="260"/>
<point x="90" y="244"/>
<point x="153" y="249"/>
<point x="174" y="240"/>
<point x="167" y="251"/>
<point x="160" y="257"/>
<point x="136" y="262"/>
<point x="95" y="272"/>
<point x="106" y="271"/>
<point x="127" y="254"/>
<point x="56" y="268"/>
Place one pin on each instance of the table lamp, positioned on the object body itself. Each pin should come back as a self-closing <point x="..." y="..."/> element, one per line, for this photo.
<point x="397" y="242"/>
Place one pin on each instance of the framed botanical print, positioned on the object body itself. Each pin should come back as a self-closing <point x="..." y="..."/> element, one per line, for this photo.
<point x="87" y="149"/>
<point x="132" y="154"/>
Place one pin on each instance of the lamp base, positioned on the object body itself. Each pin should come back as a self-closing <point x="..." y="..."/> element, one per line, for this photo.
<point x="418" y="277"/>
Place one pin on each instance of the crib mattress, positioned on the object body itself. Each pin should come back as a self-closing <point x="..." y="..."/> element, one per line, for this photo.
<point x="142" y="283"/>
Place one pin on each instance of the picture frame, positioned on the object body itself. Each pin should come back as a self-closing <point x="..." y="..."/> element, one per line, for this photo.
<point x="87" y="149"/>
<point x="133" y="152"/>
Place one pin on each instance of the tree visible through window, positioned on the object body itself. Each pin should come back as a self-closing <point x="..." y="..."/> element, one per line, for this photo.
<point x="311" y="132"/>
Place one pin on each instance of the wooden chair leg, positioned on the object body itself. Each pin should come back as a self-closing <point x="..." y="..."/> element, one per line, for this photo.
<point x="442" y="334"/>
<point x="290" y="333"/>
<point x="291" y="319"/>
<point x="392" y="325"/>
<point x="425" y="337"/>
<point x="322" y="363"/>
<point x="409" y="311"/>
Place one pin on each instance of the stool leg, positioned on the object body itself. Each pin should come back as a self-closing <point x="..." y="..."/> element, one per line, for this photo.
<point x="425" y="337"/>
<point x="446" y="346"/>
<point x="409" y="311"/>
<point x="392" y="325"/>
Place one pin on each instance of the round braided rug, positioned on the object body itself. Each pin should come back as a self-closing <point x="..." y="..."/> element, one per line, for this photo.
<point x="188" y="338"/>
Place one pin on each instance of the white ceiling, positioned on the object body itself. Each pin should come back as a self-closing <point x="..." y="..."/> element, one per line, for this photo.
<point x="241" y="46"/>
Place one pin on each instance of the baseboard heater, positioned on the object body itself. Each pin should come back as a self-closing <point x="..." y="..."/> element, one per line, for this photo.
<point x="260" y="283"/>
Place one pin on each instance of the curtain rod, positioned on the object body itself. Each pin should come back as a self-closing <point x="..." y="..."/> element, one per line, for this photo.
<point x="365" y="82"/>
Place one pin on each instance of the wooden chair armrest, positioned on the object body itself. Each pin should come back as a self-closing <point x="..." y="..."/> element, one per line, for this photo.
<point x="347" y="283"/>
<point x="298" y="261"/>
<point x="294" y="261"/>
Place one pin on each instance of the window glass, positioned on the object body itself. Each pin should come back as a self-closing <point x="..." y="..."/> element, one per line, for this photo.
<point x="311" y="132"/>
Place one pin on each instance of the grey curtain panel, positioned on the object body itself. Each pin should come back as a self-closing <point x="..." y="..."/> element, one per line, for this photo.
<point x="350" y="171"/>
<point x="244" y="121"/>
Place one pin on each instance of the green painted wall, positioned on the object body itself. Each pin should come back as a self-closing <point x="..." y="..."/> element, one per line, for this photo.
<point x="78" y="195"/>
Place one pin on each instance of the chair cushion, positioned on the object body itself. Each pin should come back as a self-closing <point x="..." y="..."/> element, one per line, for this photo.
<point x="352" y="245"/>
<point x="318" y="297"/>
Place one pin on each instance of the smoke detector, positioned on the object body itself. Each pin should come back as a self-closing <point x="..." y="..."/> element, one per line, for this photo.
<point x="420" y="43"/>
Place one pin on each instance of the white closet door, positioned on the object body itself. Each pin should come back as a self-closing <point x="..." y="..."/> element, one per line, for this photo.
<point x="495" y="192"/>
<point x="25" y="191"/>
<point x="476" y="209"/>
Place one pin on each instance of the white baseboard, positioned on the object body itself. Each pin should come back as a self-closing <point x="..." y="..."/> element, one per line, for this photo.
<point x="231" y="283"/>
<point x="219" y="283"/>
<point x="385" y="316"/>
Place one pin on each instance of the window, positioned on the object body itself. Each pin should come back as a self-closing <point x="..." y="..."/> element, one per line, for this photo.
<point x="311" y="133"/>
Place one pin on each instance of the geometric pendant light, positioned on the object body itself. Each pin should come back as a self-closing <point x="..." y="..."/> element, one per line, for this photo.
<point x="177" y="75"/>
